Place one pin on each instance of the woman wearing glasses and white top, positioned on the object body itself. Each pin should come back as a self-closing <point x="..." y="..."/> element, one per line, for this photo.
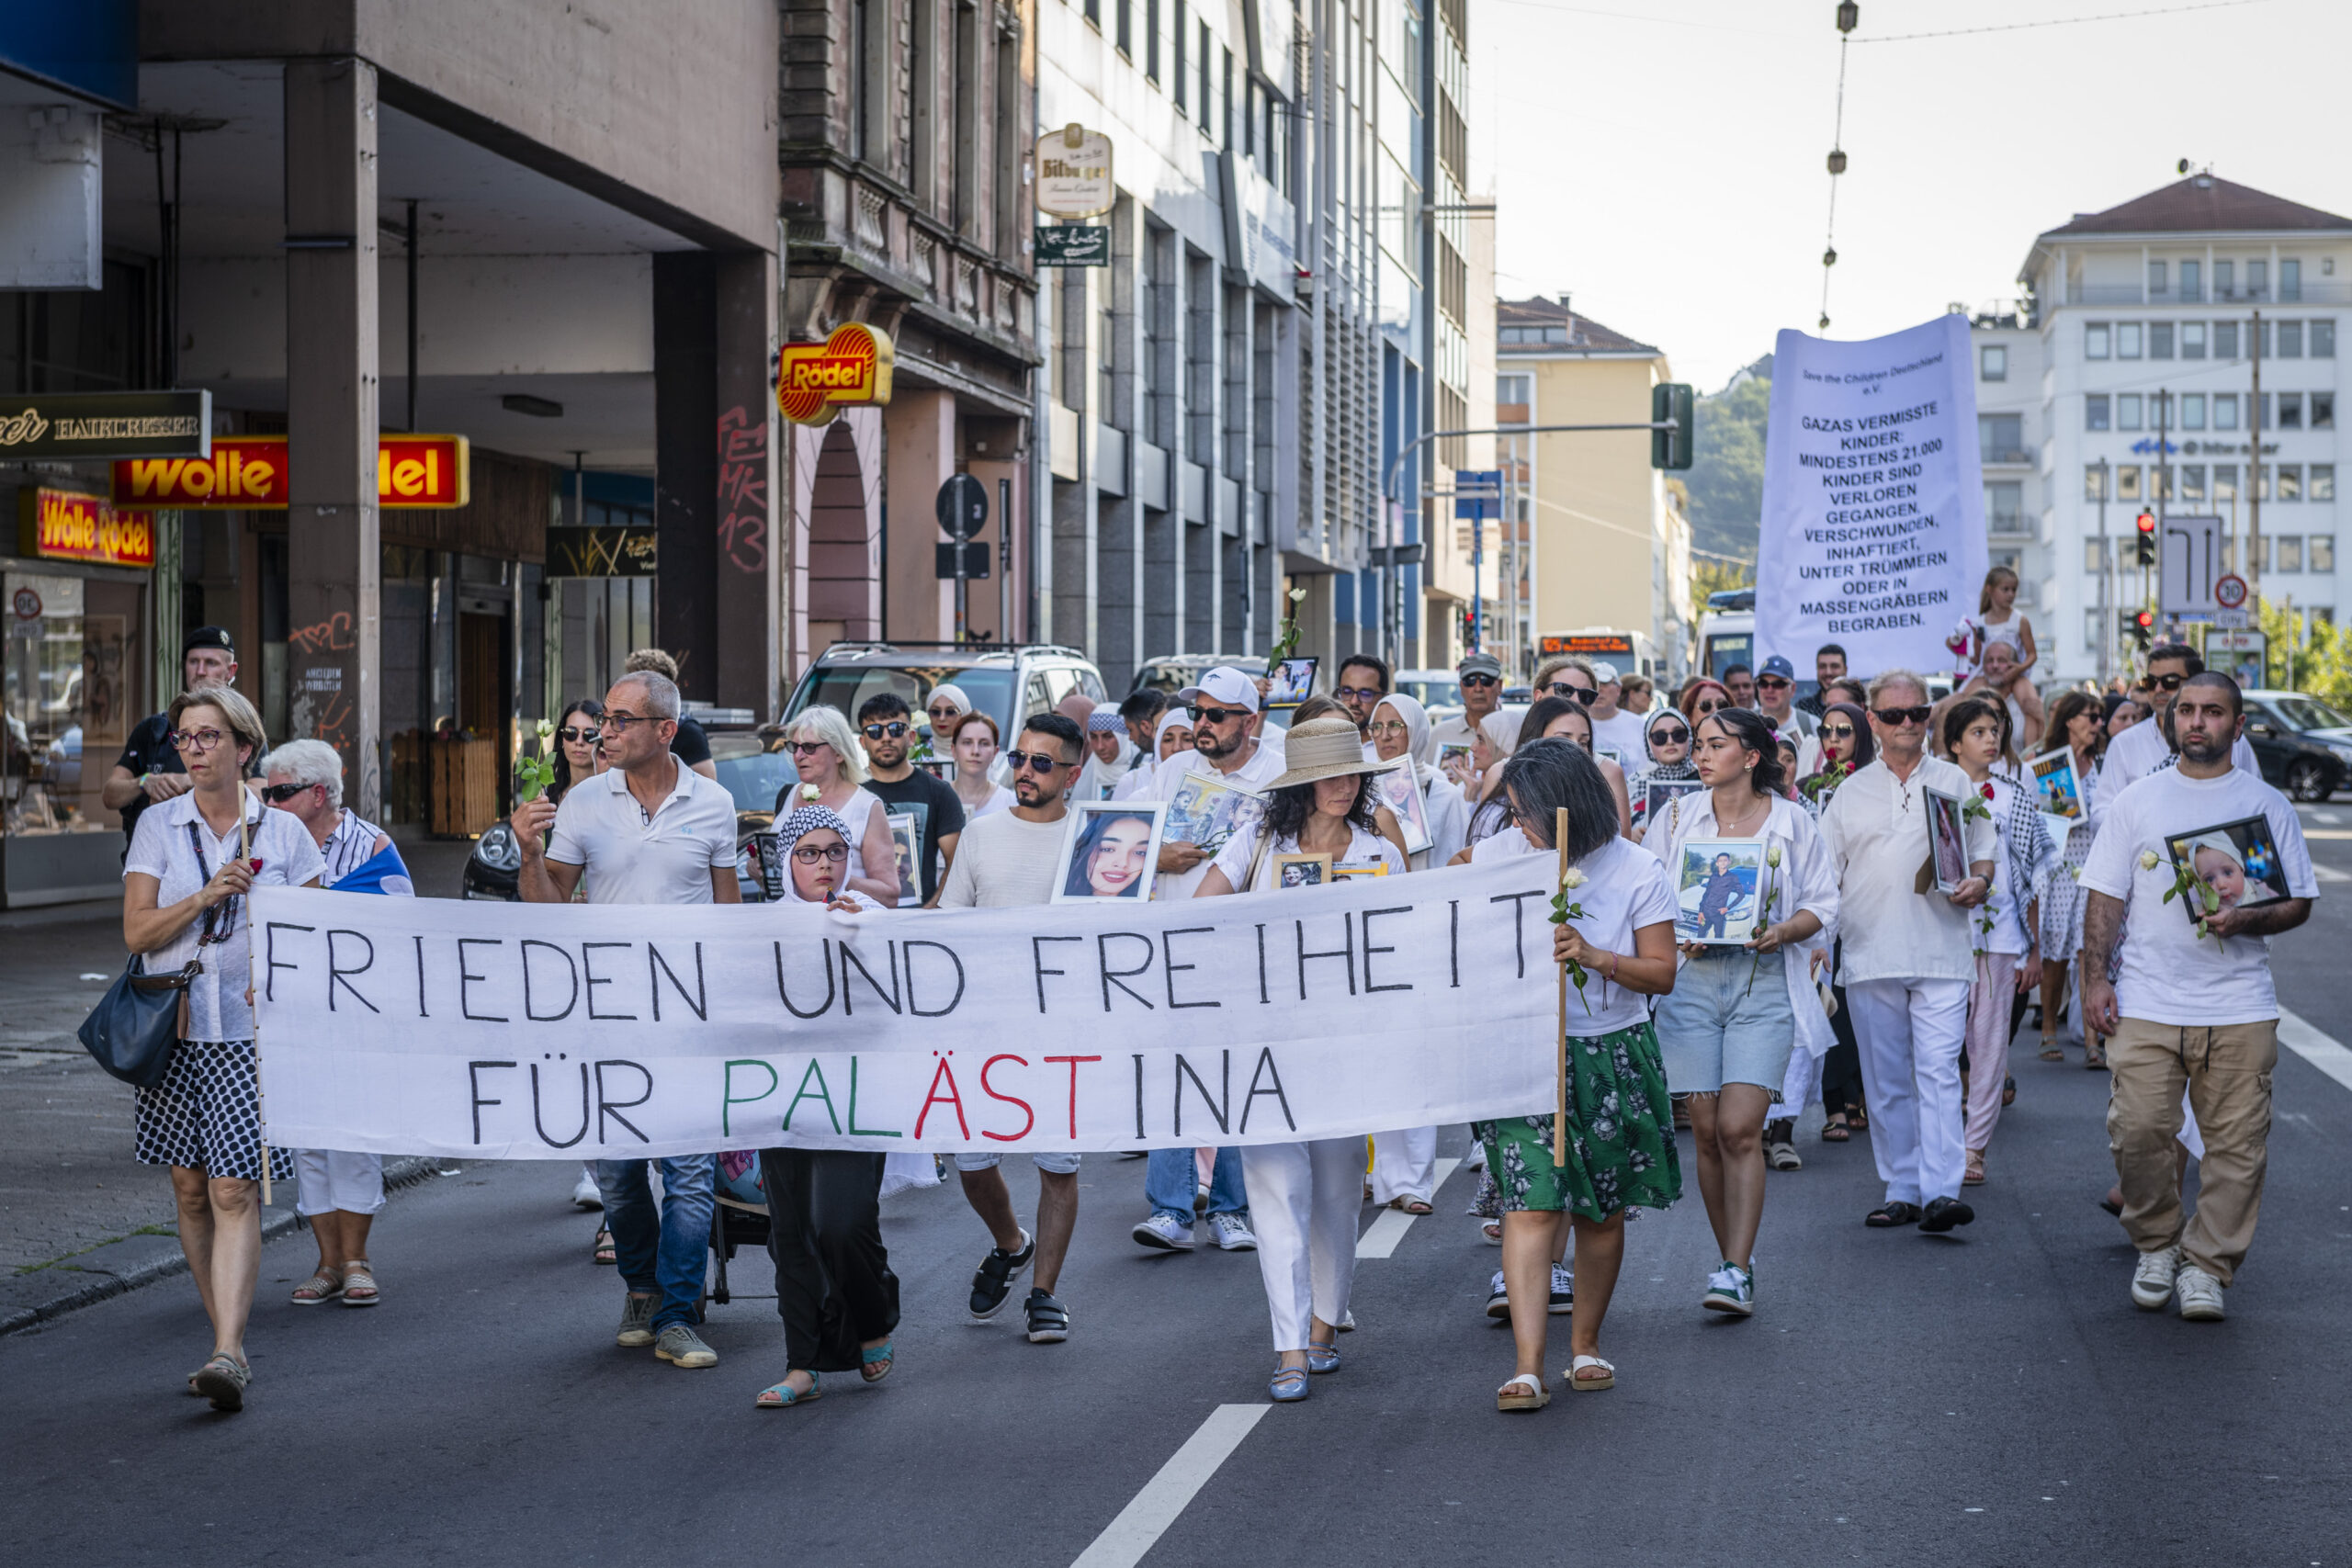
<point x="192" y="862"/>
<point x="825" y="753"/>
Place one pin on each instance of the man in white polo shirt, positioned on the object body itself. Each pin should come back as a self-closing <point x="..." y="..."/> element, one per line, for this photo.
<point x="2146" y="747"/>
<point x="1224" y="710"/>
<point x="649" y="830"/>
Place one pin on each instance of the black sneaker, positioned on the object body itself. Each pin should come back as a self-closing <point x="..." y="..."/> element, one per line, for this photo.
<point x="1498" y="1298"/>
<point x="1049" y="1319"/>
<point x="992" y="1282"/>
<point x="1942" y="1214"/>
<point x="1564" y="1290"/>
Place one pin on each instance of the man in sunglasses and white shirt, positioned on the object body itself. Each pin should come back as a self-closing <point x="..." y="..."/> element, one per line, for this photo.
<point x="1003" y="861"/>
<point x="1907" y="956"/>
<point x="2146" y="747"/>
<point x="1481" y="675"/>
<point x="1224" y="709"/>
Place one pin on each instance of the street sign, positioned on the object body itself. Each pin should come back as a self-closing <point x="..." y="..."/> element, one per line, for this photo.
<point x="1477" y="493"/>
<point x="1074" y="173"/>
<point x="2190" y="564"/>
<point x="48" y="426"/>
<point x="1073" y="244"/>
<point x="974" y="558"/>
<point x="2229" y="590"/>
<point x="961" y="506"/>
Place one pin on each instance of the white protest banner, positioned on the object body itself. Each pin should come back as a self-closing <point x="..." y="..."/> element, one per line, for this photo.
<point x="1874" y="527"/>
<point x="577" y="1030"/>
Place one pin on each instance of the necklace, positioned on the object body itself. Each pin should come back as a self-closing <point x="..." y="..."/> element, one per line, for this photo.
<point x="1730" y="828"/>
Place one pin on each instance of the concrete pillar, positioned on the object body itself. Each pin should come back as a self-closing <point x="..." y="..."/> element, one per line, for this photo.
<point x="919" y="452"/>
<point x="334" y="557"/>
<point x="747" y="586"/>
<point x="685" y="505"/>
<point x="1198" y="542"/>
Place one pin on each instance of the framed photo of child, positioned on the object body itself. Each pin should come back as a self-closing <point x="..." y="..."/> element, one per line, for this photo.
<point x="2231" y="866"/>
<point x="1291" y="683"/>
<point x="2057" y="789"/>
<point x="1302" y="871"/>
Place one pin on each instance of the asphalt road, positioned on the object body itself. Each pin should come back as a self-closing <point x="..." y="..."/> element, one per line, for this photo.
<point x="1987" y="1398"/>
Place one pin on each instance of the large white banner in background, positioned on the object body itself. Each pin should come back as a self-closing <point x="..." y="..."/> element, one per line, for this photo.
<point x="1873" y="526"/>
<point x="576" y="1031"/>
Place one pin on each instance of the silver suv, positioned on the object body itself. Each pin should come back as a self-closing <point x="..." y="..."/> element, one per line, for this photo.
<point x="1006" y="681"/>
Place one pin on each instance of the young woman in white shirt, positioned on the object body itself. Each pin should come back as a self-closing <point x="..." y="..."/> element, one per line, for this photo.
<point x="2077" y="723"/>
<point x="825" y="753"/>
<point x="1305" y="1197"/>
<point x="1729" y="1027"/>
<point x="972" y="740"/>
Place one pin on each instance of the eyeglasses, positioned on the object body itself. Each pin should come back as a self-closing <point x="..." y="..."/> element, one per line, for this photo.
<point x="894" y="729"/>
<point x="1774" y="683"/>
<point x="1390" y="727"/>
<point x="1035" y="762"/>
<point x="1895" y="717"/>
<point x="573" y="736"/>
<point x="1216" y="715"/>
<point x="1482" y="679"/>
<point x="621" y="721"/>
<point x="1358" y="693"/>
<point x="807" y="748"/>
<point x="945" y="710"/>
<point x="1673" y="734"/>
<point x="1584" y="695"/>
<point x="1837" y="732"/>
<point x="277" y="795"/>
<point x="810" y="854"/>
<point x="196" y="740"/>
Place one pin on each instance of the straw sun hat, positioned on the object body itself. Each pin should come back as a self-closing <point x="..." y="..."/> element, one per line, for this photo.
<point x="1324" y="748"/>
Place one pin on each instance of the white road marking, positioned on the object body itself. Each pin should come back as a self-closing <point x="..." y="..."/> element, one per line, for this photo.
<point x="1147" y="1517"/>
<point x="2321" y="1050"/>
<point x="2329" y="874"/>
<point x="2327" y="819"/>
<point x="1388" y="1226"/>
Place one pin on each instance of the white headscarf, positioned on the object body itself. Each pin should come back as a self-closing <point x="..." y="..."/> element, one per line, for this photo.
<point x="1501" y="729"/>
<point x="951" y="691"/>
<point x="1174" y="717"/>
<point x="1420" y="747"/>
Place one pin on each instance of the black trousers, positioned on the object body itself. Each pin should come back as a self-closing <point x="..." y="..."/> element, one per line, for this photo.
<point x="833" y="1284"/>
<point x="1842" y="1064"/>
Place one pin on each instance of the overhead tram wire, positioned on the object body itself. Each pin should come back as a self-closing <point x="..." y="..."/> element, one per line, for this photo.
<point x="2069" y="21"/>
<point x="1849" y="14"/>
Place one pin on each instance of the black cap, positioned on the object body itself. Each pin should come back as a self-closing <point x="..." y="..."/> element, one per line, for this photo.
<point x="209" y="636"/>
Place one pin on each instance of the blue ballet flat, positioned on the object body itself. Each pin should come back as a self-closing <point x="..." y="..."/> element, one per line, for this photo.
<point x="1289" y="1386"/>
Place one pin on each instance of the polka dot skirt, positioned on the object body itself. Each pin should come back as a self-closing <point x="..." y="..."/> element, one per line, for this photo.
<point x="206" y="1114"/>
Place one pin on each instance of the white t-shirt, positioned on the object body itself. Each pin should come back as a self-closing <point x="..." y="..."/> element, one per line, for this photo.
<point x="160" y="846"/>
<point x="1363" y="849"/>
<point x="1623" y="733"/>
<point x="2141" y="750"/>
<point x="1264" y="766"/>
<point x="2170" y="975"/>
<point x="1003" y="861"/>
<point x="999" y="800"/>
<point x="1625" y="889"/>
<point x="631" y="857"/>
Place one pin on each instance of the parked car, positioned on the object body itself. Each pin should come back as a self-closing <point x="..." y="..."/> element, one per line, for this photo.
<point x="1174" y="671"/>
<point x="1434" y="689"/>
<point x="1005" y="681"/>
<point x="749" y="771"/>
<point x="2303" y="746"/>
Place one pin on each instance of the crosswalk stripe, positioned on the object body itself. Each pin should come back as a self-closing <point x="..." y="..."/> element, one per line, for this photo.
<point x="1388" y="1226"/>
<point x="1163" y="1498"/>
<point x="2320" y="1049"/>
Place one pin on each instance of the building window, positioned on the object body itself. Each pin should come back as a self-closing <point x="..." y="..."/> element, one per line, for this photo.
<point x="1176" y="75"/>
<point x="2094" y="481"/>
<point x="1208" y="77"/>
<point x="2093" y="623"/>
<point x="2290" y="412"/>
<point x="2095" y="411"/>
<point x="2127" y="410"/>
<point x="2291" y="551"/>
<point x="2290" y="481"/>
<point x="2322" y="478"/>
<point x="2127" y="481"/>
<point x="1151" y="40"/>
<point x="2191" y="280"/>
<point x="2323" y="548"/>
<point x="2160" y="339"/>
<point x="2225" y="337"/>
<point x="2290" y="336"/>
<point x="2094" y="555"/>
<point x="2324" y="339"/>
<point x="2159" y="482"/>
<point x="2094" y="336"/>
<point x="2127" y="340"/>
<point x="2192" y="481"/>
<point x="1094" y="14"/>
<point x="1127" y="28"/>
<point x="2290" y="279"/>
<point x="2225" y="410"/>
<point x="1992" y="362"/>
<point x="2192" y="411"/>
<point x="2226" y="279"/>
<point x="2225" y="481"/>
<point x="2155" y="280"/>
<point x="2192" y="340"/>
<point x="2003" y="506"/>
<point x="2000" y="437"/>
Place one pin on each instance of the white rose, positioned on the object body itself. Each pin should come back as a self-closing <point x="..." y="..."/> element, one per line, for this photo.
<point x="1575" y="879"/>
<point x="2147" y="860"/>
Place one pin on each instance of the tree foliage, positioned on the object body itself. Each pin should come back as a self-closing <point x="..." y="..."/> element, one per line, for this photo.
<point x="1726" y="477"/>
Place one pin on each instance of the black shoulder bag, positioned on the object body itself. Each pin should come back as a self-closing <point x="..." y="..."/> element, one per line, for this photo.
<point x="133" y="1030"/>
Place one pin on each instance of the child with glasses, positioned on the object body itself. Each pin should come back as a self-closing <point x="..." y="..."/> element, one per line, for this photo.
<point x="826" y="755"/>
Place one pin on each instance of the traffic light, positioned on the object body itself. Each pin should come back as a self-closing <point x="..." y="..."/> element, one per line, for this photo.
<point x="2147" y="538"/>
<point x="1671" y="448"/>
<point x="2139" y="625"/>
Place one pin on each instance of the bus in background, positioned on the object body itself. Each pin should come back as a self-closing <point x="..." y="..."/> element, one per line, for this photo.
<point x="1631" y="652"/>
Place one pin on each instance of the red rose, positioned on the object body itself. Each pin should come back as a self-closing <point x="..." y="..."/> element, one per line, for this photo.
<point x="1989" y="792"/>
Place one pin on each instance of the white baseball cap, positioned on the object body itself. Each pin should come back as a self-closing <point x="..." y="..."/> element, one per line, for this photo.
<point x="1603" y="673"/>
<point x="1223" y="686"/>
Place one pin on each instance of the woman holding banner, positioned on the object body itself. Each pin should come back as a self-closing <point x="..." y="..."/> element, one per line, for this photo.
<point x="1614" y="1146"/>
<point x="1305" y="1197"/>
<point x="833" y="1285"/>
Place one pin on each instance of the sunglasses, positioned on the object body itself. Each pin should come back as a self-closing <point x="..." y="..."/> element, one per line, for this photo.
<point x="1482" y="679"/>
<point x="1674" y="735"/>
<point x="1584" y="695"/>
<point x="1035" y="762"/>
<point x="2166" y="682"/>
<point x="1838" y="731"/>
<point x="945" y="710"/>
<point x="1774" y="683"/>
<point x="575" y="735"/>
<point x="1895" y="717"/>
<point x="807" y="748"/>
<point x="1216" y="715"/>
<point x="1709" y="705"/>
<point x="894" y="729"/>
<point x="278" y="795"/>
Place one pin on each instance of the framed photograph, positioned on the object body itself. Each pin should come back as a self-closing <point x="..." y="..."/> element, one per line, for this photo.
<point x="2237" y="862"/>
<point x="1401" y="792"/>
<point x="2057" y="791"/>
<point x="1658" y="796"/>
<point x="1207" y="811"/>
<point x="1292" y="682"/>
<point x="1715" y="888"/>
<point x="1302" y="871"/>
<point x="940" y="768"/>
<point x="1111" y="851"/>
<point x="1349" y="873"/>
<point x="1947" y="839"/>
<point x="1609" y="754"/>
<point x="907" y="838"/>
<point x="1453" y="762"/>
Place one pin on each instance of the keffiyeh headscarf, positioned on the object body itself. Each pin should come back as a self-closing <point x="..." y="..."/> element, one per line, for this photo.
<point x="806" y="818"/>
<point x="1101" y="775"/>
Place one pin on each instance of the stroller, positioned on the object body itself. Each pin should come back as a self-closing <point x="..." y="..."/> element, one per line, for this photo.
<point x="739" y="1213"/>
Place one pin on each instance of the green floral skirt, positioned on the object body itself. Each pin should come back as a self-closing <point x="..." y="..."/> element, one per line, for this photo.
<point x="1621" y="1135"/>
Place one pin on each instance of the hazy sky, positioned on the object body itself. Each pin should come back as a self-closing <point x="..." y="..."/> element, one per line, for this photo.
<point x="1663" y="160"/>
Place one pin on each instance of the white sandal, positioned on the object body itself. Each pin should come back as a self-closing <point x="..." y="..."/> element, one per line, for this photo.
<point x="1592" y="1385"/>
<point x="1535" y="1397"/>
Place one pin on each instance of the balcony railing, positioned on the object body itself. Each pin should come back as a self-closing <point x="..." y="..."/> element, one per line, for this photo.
<point x="2008" y="524"/>
<point x="2312" y="291"/>
<point x="2025" y="456"/>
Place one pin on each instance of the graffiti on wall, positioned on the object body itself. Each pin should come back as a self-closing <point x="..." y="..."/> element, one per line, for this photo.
<point x="743" y="489"/>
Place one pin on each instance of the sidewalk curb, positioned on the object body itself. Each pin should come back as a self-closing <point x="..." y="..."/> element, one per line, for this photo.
<point x="397" y="1173"/>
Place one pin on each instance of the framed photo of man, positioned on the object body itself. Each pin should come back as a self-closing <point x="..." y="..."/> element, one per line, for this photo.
<point x="1111" y="851"/>
<point x="2057" y="790"/>
<point x="1715" y="890"/>
<point x="1947" y="839"/>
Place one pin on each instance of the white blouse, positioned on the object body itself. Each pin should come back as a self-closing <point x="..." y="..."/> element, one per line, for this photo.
<point x="162" y="848"/>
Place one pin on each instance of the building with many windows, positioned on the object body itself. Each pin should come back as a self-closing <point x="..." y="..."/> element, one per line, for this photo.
<point x="2177" y="331"/>
<point x="2010" y="433"/>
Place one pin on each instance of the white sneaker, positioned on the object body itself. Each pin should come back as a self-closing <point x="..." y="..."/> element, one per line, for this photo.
<point x="587" y="1194"/>
<point x="2152" y="1278"/>
<point x="1164" y="1233"/>
<point x="1232" y="1233"/>
<point x="2200" y="1296"/>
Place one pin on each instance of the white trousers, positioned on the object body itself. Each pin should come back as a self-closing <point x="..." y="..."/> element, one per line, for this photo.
<point x="332" y="1179"/>
<point x="1911" y="1033"/>
<point x="1303" y="1202"/>
<point x="1403" y="1164"/>
<point x="1800" y="1087"/>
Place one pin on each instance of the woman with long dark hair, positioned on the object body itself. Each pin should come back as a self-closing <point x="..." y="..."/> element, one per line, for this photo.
<point x="1846" y="746"/>
<point x="1305" y="1197"/>
<point x="1730" y="1025"/>
<point x="1561" y="718"/>
<point x="576" y="756"/>
<point x="2078" y="721"/>
<point x="1620" y="1149"/>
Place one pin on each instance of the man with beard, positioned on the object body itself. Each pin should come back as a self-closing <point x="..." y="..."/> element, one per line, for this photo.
<point x="2146" y="747"/>
<point x="1224" y="709"/>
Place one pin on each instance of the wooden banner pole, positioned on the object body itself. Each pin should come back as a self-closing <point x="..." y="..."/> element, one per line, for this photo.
<point x="1560" y="1030"/>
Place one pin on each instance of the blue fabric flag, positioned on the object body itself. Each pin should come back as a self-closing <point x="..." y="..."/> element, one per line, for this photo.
<point x="385" y="873"/>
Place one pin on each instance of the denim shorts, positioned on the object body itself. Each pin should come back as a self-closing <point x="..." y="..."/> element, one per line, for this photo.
<point x="1715" y="1027"/>
<point x="1051" y="1164"/>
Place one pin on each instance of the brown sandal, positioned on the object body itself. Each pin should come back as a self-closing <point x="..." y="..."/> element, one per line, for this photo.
<point x="319" y="1289"/>
<point x="359" y="1288"/>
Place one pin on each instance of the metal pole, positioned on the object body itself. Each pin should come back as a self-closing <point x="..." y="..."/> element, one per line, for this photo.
<point x="2254" y="477"/>
<point x="2106" y="579"/>
<point x="2163" y="488"/>
<point x="1004" y="561"/>
<point x="411" y="318"/>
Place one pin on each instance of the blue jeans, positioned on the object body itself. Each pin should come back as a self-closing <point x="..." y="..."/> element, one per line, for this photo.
<point x="1171" y="1177"/>
<point x="666" y="1254"/>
